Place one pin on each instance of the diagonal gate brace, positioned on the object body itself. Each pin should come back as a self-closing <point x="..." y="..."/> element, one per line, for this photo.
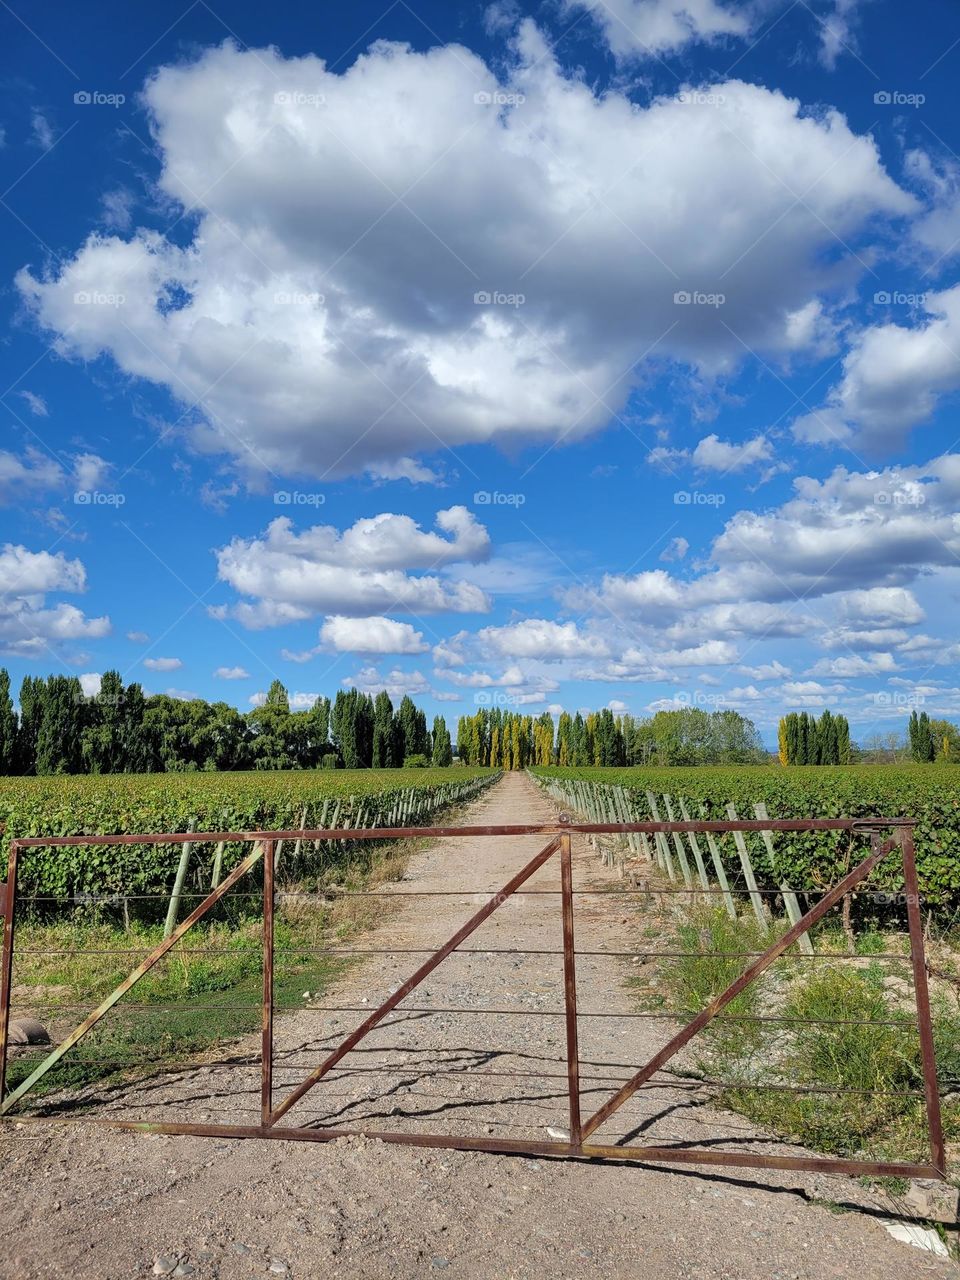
<point x="415" y="979"/>
<point x="720" y="1002"/>
<point x="130" y="981"/>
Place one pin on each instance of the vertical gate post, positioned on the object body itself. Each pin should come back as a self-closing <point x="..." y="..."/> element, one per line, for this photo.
<point x="266" y="1046"/>
<point x="570" y="989"/>
<point x="9" y="891"/>
<point x="904" y="838"/>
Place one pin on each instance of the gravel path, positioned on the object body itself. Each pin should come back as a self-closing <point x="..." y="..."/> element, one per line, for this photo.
<point x="83" y="1201"/>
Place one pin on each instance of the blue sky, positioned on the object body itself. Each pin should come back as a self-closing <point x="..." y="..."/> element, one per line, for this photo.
<point x="560" y="355"/>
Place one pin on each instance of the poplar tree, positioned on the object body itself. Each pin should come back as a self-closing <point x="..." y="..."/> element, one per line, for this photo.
<point x="384" y="736"/>
<point x="8" y="726"/>
<point x="442" y="747"/>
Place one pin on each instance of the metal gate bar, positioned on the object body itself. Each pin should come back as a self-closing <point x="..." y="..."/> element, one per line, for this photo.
<point x="265" y="843"/>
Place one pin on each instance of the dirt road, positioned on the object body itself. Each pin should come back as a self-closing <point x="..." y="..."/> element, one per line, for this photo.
<point x="82" y="1201"/>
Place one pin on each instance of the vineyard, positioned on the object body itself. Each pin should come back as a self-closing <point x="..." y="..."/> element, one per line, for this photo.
<point x="808" y="861"/>
<point x="125" y="804"/>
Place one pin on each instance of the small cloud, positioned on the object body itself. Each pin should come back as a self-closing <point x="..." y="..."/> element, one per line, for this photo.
<point x="90" y="471"/>
<point x="766" y="671"/>
<point x="117" y="209"/>
<point x="404" y="469"/>
<point x="617" y="707"/>
<point x="163" y="664"/>
<point x="371" y="635"/>
<point x="138" y="637"/>
<point x="36" y="404"/>
<point x="675" y="549"/>
<point x="604" y="471"/>
<point x="90" y="683"/>
<point x="232" y="673"/>
<point x="215" y="496"/>
<point x="43" y="134"/>
<point x="303" y="655"/>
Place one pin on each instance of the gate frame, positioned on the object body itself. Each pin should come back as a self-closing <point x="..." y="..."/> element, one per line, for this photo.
<point x="900" y="837"/>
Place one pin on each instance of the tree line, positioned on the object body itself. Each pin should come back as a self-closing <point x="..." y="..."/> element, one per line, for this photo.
<point x="59" y="729"/>
<point x="932" y="740"/>
<point x="686" y="736"/>
<point x="804" y="739"/>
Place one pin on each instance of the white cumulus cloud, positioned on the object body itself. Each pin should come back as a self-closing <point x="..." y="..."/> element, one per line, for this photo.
<point x="336" y="309"/>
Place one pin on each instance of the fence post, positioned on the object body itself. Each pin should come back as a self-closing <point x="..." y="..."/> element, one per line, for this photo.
<point x="678" y="845"/>
<point x="660" y="839"/>
<point x="266" y="1039"/>
<point x="174" y="907"/>
<point x="755" y="896"/>
<point x="938" y="1155"/>
<point x="570" y="989"/>
<point x="217" y="865"/>
<point x="298" y="844"/>
<point x="695" y="847"/>
<point x="718" y="866"/>
<point x="789" y="897"/>
<point x="6" y="962"/>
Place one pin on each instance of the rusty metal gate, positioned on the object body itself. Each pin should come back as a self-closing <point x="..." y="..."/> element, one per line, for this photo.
<point x="888" y="837"/>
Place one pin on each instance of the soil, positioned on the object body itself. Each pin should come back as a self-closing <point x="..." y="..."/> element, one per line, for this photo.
<point x="81" y="1200"/>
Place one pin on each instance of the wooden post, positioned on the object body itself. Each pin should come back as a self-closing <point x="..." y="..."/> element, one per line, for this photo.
<point x="678" y="845"/>
<point x="217" y="865"/>
<point x="298" y="845"/>
<point x="660" y="839"/>
<point x="173" y="909"/>
<point x="718" y="867"/>
<point x="695" y="848"/>
<point x="789" y="897"/>
<point x="755" y="896"/>
<point x="321" y="824"/>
